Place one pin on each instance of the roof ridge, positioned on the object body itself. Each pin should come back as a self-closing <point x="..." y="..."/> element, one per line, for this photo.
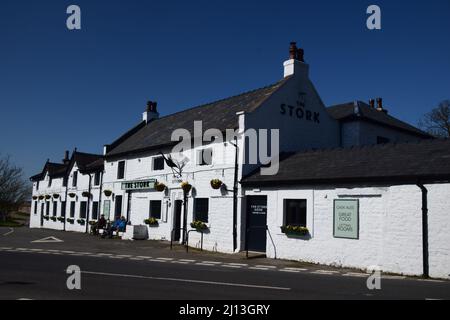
<point x="223" y="99"/>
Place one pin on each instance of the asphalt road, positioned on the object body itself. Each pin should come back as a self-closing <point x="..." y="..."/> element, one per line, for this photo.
<point x="38" y="271"/>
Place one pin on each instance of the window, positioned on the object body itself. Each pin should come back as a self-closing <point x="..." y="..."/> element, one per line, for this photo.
<point x="118" y="208"/>
<point x="205" y="157"/>
<point x="42" y="208"/>
<point x="63" y="209"/>
<point x="95" y="210"/>
<point x="295" y="212"/>
<point x="72" y="209"/>
<point x="201" y="207"/>
<point x="83" y="209"/>
<point x="47" y="208"/>
<point x="155" y="209"/>
<point x="35" y="207"/>
<point x="55" y="208"/>
<point x="121" y="170"/>
<point x="158" y="163"/>
<point x="37" y="185"/>
<point x="97" y="179"/>
<point x="75" y="179"/>
<point x="382" y="140"/>
<point x="50" y="180"/>
<point x="106" y="208"/>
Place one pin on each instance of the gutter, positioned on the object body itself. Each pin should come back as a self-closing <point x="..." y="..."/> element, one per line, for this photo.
<point x="235" y="190"/>
<point x="425" y="253"/>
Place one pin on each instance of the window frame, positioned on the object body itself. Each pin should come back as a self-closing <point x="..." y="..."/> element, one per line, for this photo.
<point x="151" y="214"/>
<point x="121" y="173"/>
<point x="75" y="178"/>
<point x="95" y="205"/>
<point x="55" y="209"/>
<point x="287" y="217"/>
<point x="201" y="159"/>
<point x="72" y="209"/>
<point x="195" y="215"/>
<point x="157" y="159"/>
<point x="83" y="215"/>
<point x="97" y="178"/>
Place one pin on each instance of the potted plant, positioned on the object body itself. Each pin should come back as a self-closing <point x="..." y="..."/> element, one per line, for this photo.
<point x="295" y="230"/>
<point x="186" y="186"/>
<point x="86" y="194"/>
<point x="53" y="219"/>
<point x="199" y="225"/>
<point x="152" y="222"/>
<point x="160" y="187"/>
<point x="70" y="220"/>
<point x="216" y="183"/>
<point x="107" y="193"/>
<point x="81" y="222"/>
<point x="60" y="219"/>
<point x="41" y="197"/>
<point x="72" y="195"/>
<point x="47" y="197"/>
<point x="35" y="197"/>
<point x="55" y="196"/>
<point x="92" y="222"/>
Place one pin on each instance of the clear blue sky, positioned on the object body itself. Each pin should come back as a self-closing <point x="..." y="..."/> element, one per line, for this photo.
<point x="62" y="89"/>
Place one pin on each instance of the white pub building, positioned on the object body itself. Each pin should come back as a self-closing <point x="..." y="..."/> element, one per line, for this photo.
<point x="355" y="187"/>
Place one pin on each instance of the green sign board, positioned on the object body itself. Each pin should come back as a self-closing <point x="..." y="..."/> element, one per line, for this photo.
<point x="346" y="219"/>
<point x="139" y="185"/>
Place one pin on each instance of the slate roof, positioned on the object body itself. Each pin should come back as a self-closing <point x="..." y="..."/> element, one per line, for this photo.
<point x="427" y="160"/>
<point x="350" y="112"/>
<point x="220" y="115"/>
<point x="85" y="161"/>
<point x="54" y="170"/>
<point x="97" y="165"/>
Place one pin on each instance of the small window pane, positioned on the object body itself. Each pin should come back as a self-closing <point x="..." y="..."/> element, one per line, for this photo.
<point x="63" y="209"/>
<point x="55" y="208"/>
<point x="75" y="179"/>
<point x="121" y="170"/>
<point x="95" y="210"/>
<point x="72" y="209"/>
<point x="205" y="157"/>
<point x="83" y="207"/>
<point x="97" y="179"/>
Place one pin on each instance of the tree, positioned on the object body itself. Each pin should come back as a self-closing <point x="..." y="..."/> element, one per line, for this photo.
<point x="14" y="190"/>
<point x="437" y="121"/>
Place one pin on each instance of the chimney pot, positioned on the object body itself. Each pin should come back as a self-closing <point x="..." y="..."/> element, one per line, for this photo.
<point x="379" y="103"/>
<point x="150" y="112"/>
<point x="372" y="103"/>
<point x="293" y="50"/>
<point x="300" y="55"/>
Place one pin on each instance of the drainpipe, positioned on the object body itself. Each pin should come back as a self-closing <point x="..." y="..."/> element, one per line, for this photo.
<point x="424" y="229"/>
<point x="88" y="204"/>
<point x="235" y="191"/>
<point x="100" y="197"/>
<point x="65" y="211"/>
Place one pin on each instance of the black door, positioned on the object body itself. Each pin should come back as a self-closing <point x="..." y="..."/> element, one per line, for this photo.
<point x="118" y="208"/>
<point x="177" y="220"/>
<point x="256" y="223"/>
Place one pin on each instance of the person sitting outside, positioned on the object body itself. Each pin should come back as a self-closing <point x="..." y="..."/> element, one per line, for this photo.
<point x="100" y="224"/>
<point x="119" y="225"/>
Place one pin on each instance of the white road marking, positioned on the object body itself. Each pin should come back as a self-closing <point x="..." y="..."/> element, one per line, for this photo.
<point x="204" y="264"/>
<point x="187" y="260"/>
<point x="124" y="255"/>
<point x="325" y="272"/>
<point x="68" y="252"/>
<point x="355" y="274"/>
<point x="267" y="267"/>
<point x="104" y="254"/>
<point x="136" y="259"/>
<point x="11" y="230"/>
<point x="51" y="239"/>
<point x="238" y="264"/>
<point x="157" y="260"/>
<point x="287" y="270"/>
<point x="186" y="280"/>
<point x="5" y="248"/>
<point x="180" y="262"/>
<point x="259" y="268"/>
<point x="226" y="266"/>
<point x="144" y="257"/>
<point x="211" y="262"/>
<point x="296" y="269"/>
<point x="165" y="259"/>
<point x="393" y="277"/>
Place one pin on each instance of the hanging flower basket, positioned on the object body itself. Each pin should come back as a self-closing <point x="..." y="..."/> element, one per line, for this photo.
<point x="107" y="193"/>
<point x="160" y="187"/>
<point x="48" y="197"/>
<point x="186" y="186"/>
<point x="41" y="197"/>
<point x="53" y="219"/>
<point x="152" y="222"/>
<point x="55" y="196"/>
<point x="86" y="194"/>
<point x="35" y="197"/>
<point x="46" y="218"/>
<point x="295" y="230"/>
<point x="92" y="223"/>
<point x="72" y="195"/>
<point x="199" y="225"/>
<point x="216" y="183"/>
<point x="70" y="220"/>
<point x="60" y="219"/>
<point x="81" y="222"/>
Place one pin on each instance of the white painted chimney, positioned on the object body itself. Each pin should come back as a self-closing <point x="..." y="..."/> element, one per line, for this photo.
<point x="151" y="112"/>
<point x="296" y="64"/>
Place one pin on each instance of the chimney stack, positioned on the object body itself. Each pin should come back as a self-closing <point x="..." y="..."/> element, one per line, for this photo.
<point x="66" y="159"/>
<point x="296" y="63"/>
<point x="151" y="112"/>
<point x="372" y="103"/>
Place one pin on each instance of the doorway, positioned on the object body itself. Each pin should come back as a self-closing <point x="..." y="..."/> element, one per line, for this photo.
<point x="256" y="223"/>
<point x="178" y="205"/>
